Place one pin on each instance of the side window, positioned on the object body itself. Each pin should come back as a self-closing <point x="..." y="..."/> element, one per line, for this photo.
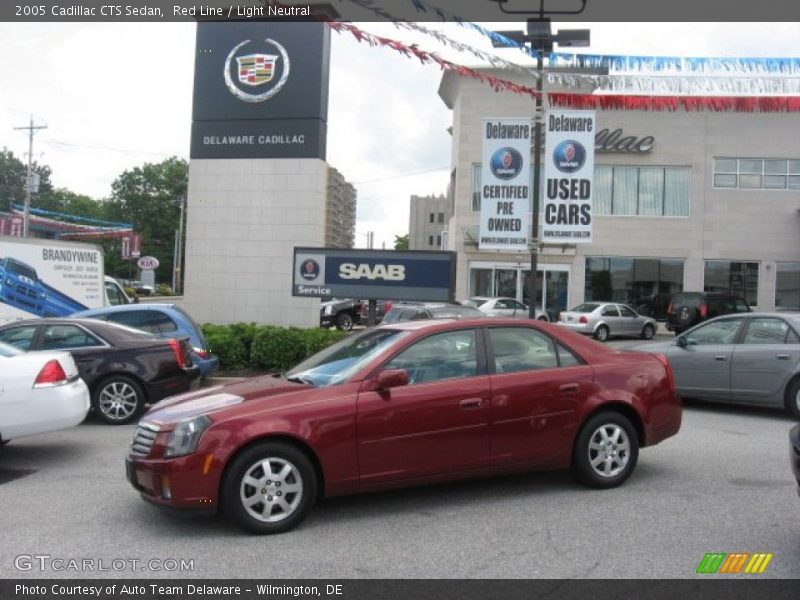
<point x="792" y="337"/>
<point x="610" y="311"/>
<point x="448" y="355"/>
<point x="139" y="319"/>
<point x="766" y="331"/>
<point x="566" y="358"/>
<point x="518" y="305"/>
<point x="113" y="294"/>
<point x="626" y="312"/>
<point x="62" y="337"/>
<point x="718" y="332"/>
<point x="741" y="305"/>
<point x="19" y="337"/>
<point x="522" y="349"/>
<point x="503" y="304"/>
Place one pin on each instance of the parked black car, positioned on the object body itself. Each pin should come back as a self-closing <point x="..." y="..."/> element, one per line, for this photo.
<point x="794" y="453"/>
<point x="433" y="310"/>
<point x="342" y="313"/>
<point x="687" y="309"/>
<point x="124" y="368"/>
<point x="381" y="308"/>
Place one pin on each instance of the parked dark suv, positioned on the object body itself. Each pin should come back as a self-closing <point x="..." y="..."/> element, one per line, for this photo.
<point x="687" y="309"/>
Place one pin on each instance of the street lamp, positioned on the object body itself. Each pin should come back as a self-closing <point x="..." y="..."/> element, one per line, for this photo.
<point x="541" y="39"/>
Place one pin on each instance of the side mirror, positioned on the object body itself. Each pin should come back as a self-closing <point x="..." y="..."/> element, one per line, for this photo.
<point x="391" y="378"/>
<point x="682" y="343"/>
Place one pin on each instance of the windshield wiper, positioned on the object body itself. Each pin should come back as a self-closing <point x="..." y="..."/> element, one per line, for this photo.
<point x="300" y="379"/>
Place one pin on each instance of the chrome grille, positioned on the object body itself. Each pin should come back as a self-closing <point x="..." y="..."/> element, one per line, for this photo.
<point x="143" y="439"/>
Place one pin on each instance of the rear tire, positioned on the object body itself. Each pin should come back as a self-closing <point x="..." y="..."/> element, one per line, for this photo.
<point x="606" y="450"/>
<point x="118" y="400"/>
<point x="269" y="488"/>
<point x="648" y="332"/>
<point x="793" y="399"/>
<point x="601" y="333"/>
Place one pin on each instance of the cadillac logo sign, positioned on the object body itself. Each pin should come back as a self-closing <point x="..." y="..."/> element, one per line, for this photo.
<point x="256" y="70"/>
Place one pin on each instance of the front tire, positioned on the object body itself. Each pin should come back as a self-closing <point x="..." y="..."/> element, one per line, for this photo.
<point x="118" y="400"/>
<point x="601" y="333"/>
<point x="793" y="399"/>
<point x="606" y="451"/>
<point x="269" y="488"/>
<point x="648" y="332"/>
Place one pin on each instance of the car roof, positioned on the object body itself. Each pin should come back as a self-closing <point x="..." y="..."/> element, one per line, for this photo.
<point x="128" y="307"/>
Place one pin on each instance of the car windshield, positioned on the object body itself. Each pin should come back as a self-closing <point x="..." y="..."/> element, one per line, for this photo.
<point x="478" y="302"/>
<point x="7" y="351"/>
<point x="338" y="363"/>
<point x="691" y="300"/>
<point x="20" y="269"/>
<point x="586" y="307"/>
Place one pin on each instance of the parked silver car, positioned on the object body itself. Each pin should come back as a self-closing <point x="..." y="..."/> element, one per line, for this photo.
<point x="747" y="358"/>
<point x="606" y="319"/>
<point x="502" y="306"/>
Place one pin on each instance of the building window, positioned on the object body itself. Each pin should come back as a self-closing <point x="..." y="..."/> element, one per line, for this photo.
<point x="441" y="217"/>
<point x="734" y="277"/>
<point x="438" y="241"/>
<point x="430" y="240"/>
<point x="624" y="191"/>
<point x="787" y="285"/>
<point x="641" y="191"/>
<point x="431" y="218"/>
<point x="643" y="283"/>
<point x="757" y="173"/>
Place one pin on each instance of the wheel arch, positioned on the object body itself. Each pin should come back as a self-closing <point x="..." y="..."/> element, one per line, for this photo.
<point x="277" y="437"/>
<point x="623" y="408"/>
<point x="787" y="388"/>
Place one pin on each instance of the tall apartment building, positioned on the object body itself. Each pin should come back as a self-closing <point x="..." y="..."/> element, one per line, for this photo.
<point x="340" y="212"/>
<point x="427" y="220"/>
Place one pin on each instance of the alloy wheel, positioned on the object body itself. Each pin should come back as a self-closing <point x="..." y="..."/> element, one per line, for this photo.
<point x="271" y="489"/>
<point x="609" y="450"/>
<point x="118" y="401"/>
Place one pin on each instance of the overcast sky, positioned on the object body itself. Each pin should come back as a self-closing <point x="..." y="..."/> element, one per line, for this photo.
<point x="117" y="95"/>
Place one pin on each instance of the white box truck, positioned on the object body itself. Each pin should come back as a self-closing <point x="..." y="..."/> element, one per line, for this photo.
<point x="52" y="278"/>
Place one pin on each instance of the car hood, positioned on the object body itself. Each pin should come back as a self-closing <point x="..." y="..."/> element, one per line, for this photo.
<point x="220" y="399"/>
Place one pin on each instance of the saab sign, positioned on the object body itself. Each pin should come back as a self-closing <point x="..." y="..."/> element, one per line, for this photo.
<point x="374" y="274"/>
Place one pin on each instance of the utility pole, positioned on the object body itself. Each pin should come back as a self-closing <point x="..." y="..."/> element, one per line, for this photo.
<point x="29" y="179"/>
<point x="179" y="249"/>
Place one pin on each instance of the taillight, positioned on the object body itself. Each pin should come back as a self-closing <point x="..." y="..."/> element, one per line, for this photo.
<point x="670" y="376"/>
<point x="176" y="348"/>
<point x="583" y="320"/>
<point x="704" y="311"/>
<point x="51" y="374"/>
<point x="387" y="306"/>
<point x="200" y="352"/>
<point x="669" y="308"/>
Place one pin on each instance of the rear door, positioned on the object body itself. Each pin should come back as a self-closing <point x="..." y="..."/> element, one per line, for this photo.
<point x="764" y="360"/>
<point x="610" y="315"/>
<point x="435" y="425"/>
<point x="630" y="322"/>
<point x="537" y="388"/>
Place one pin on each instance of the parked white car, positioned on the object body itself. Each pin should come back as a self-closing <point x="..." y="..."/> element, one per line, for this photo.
<point x="39" y="392"/>
<point x="603" y="320"/>
<point x="504" y="307"/>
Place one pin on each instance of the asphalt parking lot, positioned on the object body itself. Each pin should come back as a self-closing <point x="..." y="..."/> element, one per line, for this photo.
<point x="722" y="485"/>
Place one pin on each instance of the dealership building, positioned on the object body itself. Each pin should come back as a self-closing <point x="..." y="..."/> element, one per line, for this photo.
<point x="682" y="201"/>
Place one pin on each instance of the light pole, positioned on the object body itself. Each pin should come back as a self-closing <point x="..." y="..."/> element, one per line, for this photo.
<point x="541" y="39"/>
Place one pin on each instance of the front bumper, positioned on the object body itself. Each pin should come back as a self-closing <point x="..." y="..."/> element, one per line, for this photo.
<point x="794" y="454"/>
<point x="184" y="482"/>
<point x="327" y="320"/>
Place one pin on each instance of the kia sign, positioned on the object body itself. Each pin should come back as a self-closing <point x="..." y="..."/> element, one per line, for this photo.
<point x="569" y="176"/>
<point x="147" y="263"/>
<point x="374" y="274"/>
<point x="505" y="185"/>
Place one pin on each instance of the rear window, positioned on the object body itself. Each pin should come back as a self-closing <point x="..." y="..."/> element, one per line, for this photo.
<point x="692" y="300"/>
<point x="585" y="308"/>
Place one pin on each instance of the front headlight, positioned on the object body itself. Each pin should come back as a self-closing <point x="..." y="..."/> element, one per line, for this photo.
<point x="329" y="310"/>
<point x="184" y="438"/>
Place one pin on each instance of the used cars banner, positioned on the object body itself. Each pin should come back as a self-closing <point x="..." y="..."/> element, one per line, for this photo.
<point x="569" y="176"/>
<point x="505" y="185"/>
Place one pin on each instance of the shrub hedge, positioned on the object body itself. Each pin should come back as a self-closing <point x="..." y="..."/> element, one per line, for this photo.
<point x="265" y="347"/>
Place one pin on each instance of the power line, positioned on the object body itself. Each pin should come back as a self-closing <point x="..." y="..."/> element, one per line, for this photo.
<point x="401" y="175"/>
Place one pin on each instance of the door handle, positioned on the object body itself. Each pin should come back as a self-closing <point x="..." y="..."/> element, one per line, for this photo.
<point x="783" y="357"/>
<point x="569" y="388"/>
<point x="470" y="403"/>
<point x="720" y="358"/>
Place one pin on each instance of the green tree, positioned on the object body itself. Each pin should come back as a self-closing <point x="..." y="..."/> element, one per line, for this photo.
<point x="12" y="180"/>
<point x="401" y="242"/>
<point x="149" y="198"/>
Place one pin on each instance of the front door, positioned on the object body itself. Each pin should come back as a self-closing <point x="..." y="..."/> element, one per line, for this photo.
<point x="438" y="423"/>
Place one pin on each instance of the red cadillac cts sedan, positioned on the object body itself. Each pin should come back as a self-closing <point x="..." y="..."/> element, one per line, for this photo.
<point x="405" y="404"/>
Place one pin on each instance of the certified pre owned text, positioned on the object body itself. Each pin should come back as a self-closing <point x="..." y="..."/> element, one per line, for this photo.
<point x="78" y="10"/>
